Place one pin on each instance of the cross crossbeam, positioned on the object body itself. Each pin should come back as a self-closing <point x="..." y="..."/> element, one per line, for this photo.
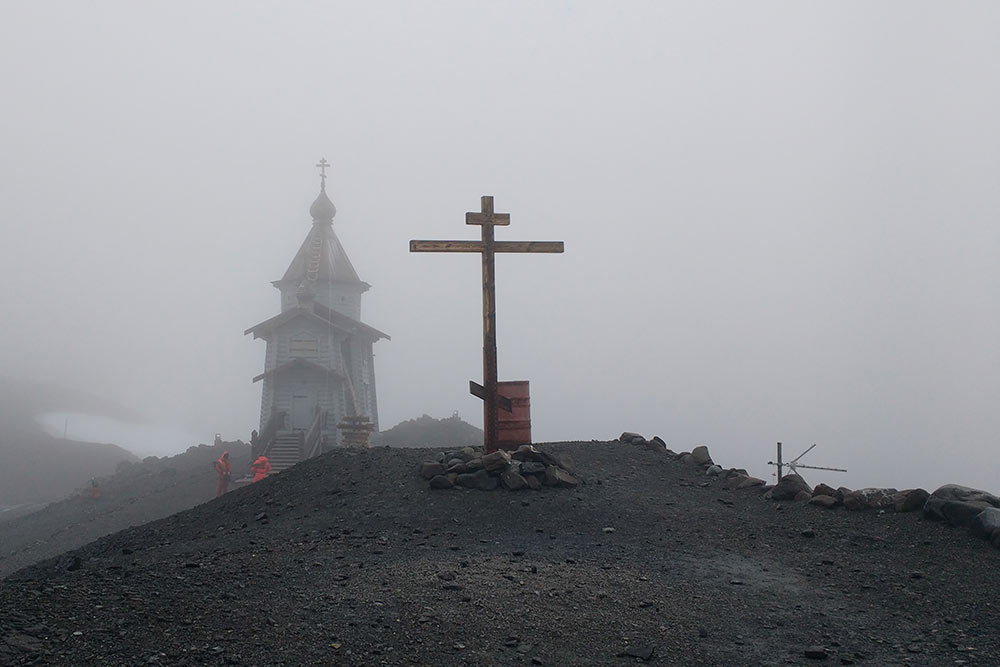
<point x="487" y="246"/>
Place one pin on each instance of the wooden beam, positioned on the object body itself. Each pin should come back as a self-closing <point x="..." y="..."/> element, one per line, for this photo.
<point x="479" y="391"/>
<point x="477" y="246"/>
<point x="446" y="246"/>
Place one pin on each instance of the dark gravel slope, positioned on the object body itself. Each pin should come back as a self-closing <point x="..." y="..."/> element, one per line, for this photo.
<point x="350" y="559"/>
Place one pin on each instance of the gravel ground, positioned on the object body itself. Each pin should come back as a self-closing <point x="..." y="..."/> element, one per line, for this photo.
<point x="350" y="559"/>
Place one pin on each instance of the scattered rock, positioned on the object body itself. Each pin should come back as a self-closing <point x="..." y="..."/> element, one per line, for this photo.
<point x="816" y="653"/>
<point x="642" y="651"/>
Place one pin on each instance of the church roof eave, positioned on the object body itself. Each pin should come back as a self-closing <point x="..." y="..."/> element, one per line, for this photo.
<point x="326" y="317"/>
<point x="299" y="363"/>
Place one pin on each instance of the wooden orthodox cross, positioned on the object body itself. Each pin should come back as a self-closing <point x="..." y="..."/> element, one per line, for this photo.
<point x="488" y="247"/>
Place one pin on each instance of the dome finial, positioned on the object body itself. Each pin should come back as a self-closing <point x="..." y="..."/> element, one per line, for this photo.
<point x="323" y="164"/>
<point x="322" y="210"/>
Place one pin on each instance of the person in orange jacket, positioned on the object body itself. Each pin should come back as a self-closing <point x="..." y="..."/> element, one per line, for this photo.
<point x="261" y="467"/>
<point x="223" y="468"/>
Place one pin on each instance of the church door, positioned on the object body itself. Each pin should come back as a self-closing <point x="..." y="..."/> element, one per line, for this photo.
<point x="302" y="410"/>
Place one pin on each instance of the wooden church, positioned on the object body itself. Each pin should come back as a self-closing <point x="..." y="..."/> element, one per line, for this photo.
<point x="318" y="384"/>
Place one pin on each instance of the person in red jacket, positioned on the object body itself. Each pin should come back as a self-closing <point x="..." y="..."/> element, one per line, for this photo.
<point x="261" y="467"/>
<point x="223" y="469"/>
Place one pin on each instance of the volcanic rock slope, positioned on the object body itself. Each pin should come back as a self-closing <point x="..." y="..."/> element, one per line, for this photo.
<point x="351" y="559"/>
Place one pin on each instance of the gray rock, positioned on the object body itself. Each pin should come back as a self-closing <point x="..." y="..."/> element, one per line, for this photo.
<point x="686" y="457"/>
<point x="816" y="653"/>
<point x="870" y="498"/>
<point x="441" y="482"/>
<point x="733" y="481"/>
<point x="659" y="441"/>
<point x="985" y="523"/>
<point x="498" y="460"/>
<point x="827" y="490"/>
<point x="954" y="512"/>
<point x="910" y="500"/>
<point x="713" y="470"/>
<point x="428" y="470"/>
<point x="533" y="482"/>
<point x="966" y="494"/>
<point x="826" y="502"/>
<point x="532" y="468"/>
<point x="480" y="479"/>
<point x="641" y="651"/>
<point x="750" y="483"/>
<point x="628" y="436"/>
<point x="556" y="476"/>
<point x="788" y="487"/>
<point x="511" y="478"/>
<point x="701" y="455"/>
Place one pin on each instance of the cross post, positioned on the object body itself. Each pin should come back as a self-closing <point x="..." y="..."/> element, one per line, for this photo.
<point x="487" y="246"/>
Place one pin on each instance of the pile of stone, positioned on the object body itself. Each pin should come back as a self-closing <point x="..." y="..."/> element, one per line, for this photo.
<point x="956" y="505"/>
<point x="470" y="468"/>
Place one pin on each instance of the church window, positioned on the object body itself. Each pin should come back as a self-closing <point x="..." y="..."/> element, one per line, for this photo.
<point x="303" y="346"/>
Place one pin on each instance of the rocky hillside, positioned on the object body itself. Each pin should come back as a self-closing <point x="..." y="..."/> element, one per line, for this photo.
<point x="429" y="432"/>
<point x="137" y="493"/>
<point x="37" y="468"/>
<point x="353" y="559"/>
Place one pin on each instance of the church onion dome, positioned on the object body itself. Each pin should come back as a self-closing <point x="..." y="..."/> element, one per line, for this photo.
<point x="322" y="210"/>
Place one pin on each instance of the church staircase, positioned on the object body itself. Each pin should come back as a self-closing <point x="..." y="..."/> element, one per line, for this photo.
<point x="286" y="450"/>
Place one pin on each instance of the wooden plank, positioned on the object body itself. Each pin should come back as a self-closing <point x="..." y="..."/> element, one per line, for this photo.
<point x="479" y="391"/>
<point x="446" y="246"/>
<point x="528" y="246"/>
<point x="487" y="219"/>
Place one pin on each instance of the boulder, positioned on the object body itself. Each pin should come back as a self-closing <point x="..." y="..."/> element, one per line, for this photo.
<point x="441" y="482"/>
<point x="954" y="512"/>
<point x="750" y="483"/>
<point x="986" y="523"/>
<point x="533" y="482"/>
<point x="498" y="460"/>
<point x="430" y="469"/>
<point x="480" y="479"/>
<point x="733" y="481"/>
<point x="556" y="476"/>
<point x="656" y="445"/>
<point x="966" y="494"/>
<point x="910" y="500"/>
<point x="713" y="470"/>
<point x="826" y="502"/>
<point x="659" y="441"/>
<point x="803" y="496"/>
<point x="788" y="487"/>
<point x="870" y="498"/>
<point x="826" y="490"/>
<point x="726" y="474"/>
<point x="686" y="457"/>
<point x="532" y="468"/>
<point x="628" y="436"/>
<point x="511" y="478"/>
<point x="701" y="455"/>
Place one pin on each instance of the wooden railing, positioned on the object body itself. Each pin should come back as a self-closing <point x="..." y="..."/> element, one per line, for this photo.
<point x="266" y="438"/>
<point x="314" y="436"/>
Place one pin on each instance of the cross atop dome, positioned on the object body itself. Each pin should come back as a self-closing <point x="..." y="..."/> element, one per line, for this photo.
<point x="323" y="164"/>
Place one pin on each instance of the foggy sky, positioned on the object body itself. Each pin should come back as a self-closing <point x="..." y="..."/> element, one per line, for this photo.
<point x="780" y="218"/>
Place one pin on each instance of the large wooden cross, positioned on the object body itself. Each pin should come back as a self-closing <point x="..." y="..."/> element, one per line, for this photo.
<point x="488" y="247"/>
